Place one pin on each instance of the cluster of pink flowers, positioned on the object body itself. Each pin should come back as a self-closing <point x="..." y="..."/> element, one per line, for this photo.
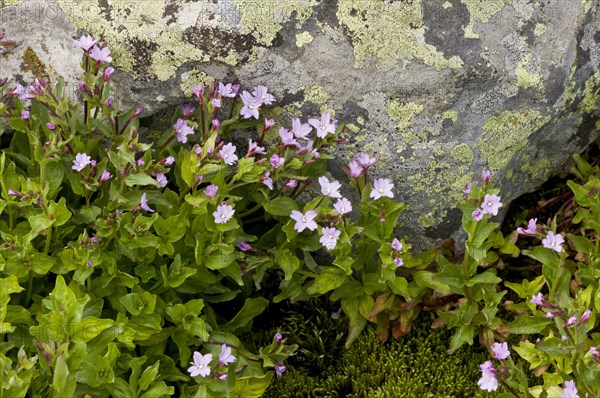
<point x="489" y="380"/>
<point x="552" y="240"/>
<point x="491" y="204"/>
<point x="98" y="54"/>
<point x="201" y="363"/>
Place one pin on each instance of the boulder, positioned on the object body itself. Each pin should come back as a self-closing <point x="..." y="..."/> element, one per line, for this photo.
<point x="437" y="90"/>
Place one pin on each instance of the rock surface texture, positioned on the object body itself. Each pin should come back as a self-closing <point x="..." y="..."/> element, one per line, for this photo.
<point x="438" y="90"/>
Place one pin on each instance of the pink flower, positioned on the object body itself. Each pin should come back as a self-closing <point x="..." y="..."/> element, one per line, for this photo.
<point x="228" y="154"/>
<point x="531" y="228"/>
<point x="343" y="206"/>
<point x="323" y="126"/>
<point x="485" y="176"/>
<point x="500" y="351"/>
<point x="169" y="161"/>
<point x="398" y="262"/>
<point x="144" y="203"/>
<point x="198" y="91"/>
<point x="276" y="161"/>
<point x="85" y="42"/>
<point x="100" y="54"/>
<point x="571" y="321"/>
<point x="262" y="96"/>
<point x="244" y="246"/>
<point x="108" y="72"/>
<point x="396" y="245"/>
<point x="329" y="238"/>
<point x="267" y="180"/>
<point x="162" y="180"/>
<point x="330" y="189"/>
<point x="225" y="356"/>
<point x="537" y="299"/>
<point x="355" y="169"/>
<point x="105" y="176"/>
<point x="200" y="365"/>
<point x="251" y="106"/>
<point x="226" y="90"/>
<point x="279" y="368"/>
<point x="477" y="214"/>
<point x="211" y="190"/>
<point x="553" y="242"/>
<point x="304" y="221"/>
<point x="488" y="381"/>
<point x="586" y="315"/>
<point x="491" y="204"/>
<point x="291" y="183"/>
<point x="382" y="187"/>
<point x="25" y="114"/>
<point x="182" y="130"/>
<point x="216" y="103"/>
<point x="81" y="160"/>
<point x="223" y="214"/>
<point x="254" y="148"/>
<point x="300" y="130"/>
<point x="570" y="390"/>
<point x="216" y="123"/>
<point x="467" y="189"/>
<point x="287" y="138"/>
<point x="140" y="162"/>
<point x="268" y="124"/>
<point x="365" y="160"/>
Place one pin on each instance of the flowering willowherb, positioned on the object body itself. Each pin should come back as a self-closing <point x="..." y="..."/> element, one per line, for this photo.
<point x="467" y="189"/>
<point x="225" y="356"/>
<point x="254" y="148"/>
<point x="308" y="148"/>
<point x="477" y="214"/>
<point x="262" y="95"/>
<point x="276" y="161"/>
<point x="100" y="54"/>
<point x="25" y="114"/>
<point x="169" y="160"/>
<point x="382" y="187"/>
<point x="485" y="176"/>
<point x="291" y="183"/>
<point x="488" y="381"/>
<point x="571" y="321"/>
<point x="355" y="169"/>
<point x="198" y="91"/>
<point x="537" y="299"/>
<point x="268" y="123"/>
<point x="216" y="103"/>
<point x="51" y="126"/>
<point x="162" y="180"/>
<point x="398" y="262"/>
<point x="200" y="365"/>
<point x="85" y="42"/>
<point x="140" y="162"/>
<point x="223" y="214"/>
<point x="182" y="129"/>
<point x="501" y="351"/>
<point x="268" y="181"/>
<point x="144" y="203"/>
<point x="300" y="130"/>
<point x="554" y="242"/>
<point x="211" y="190"/>
<point x="531" y="228"/>
<point x="491" y="204"/>
<point x="329" y="238"/>
<point x="105" y="176"/>
<point x="586" y="315"/>
<point x="365" y="160"/>
<point x="330" y="189"/>
<point x="108" y="73"/>
<point x="228" y="154"/>
<point x="278" y="337"/>
<point x="594" y="352"/>
<point x="570" y="390"/>
<point x="343" y="206"/>
<point x="81" y="160"/>
<point x="304" y="220"/>
<point x="396" y="245"/>
<point x="251" y="106"/>
<point x="279" y="368"/>
<point x="323" y="126"/>
<point x="227" y="90"/>
<point x="244" y="246"/>
<point x="287" y="137"/>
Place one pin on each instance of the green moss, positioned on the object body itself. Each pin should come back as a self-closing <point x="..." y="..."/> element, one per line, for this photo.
<point x="32" y="63"/>
<point x="462" y="153"/>
<point x="415" y="366"/>
<point x="403" y="114"/>
<point x="526" y="78"/>
<point x="504" y="135"/>
<point x="391" y="34"/>
<point x="264" y="20"/>
<point x="303" y="39"/>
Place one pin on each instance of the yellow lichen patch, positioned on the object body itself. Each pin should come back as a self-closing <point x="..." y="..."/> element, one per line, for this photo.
<point x="231" y="59"/>
<point x="504" y="135"/>
<point x="9" y="3"/>
<point x="526" y="78"/>
<point x="426" y="220"/>
<point x="539" y="29"/>
<point x="447" y="5"/>
<point x="450" y="114"/>
<point x="31" y="63"/>
<point x="403" y="114"/>
<point x="587" y="5"/>
<point x="591" y="97"/>
<point x="540" y="170"/>
<point x="393" y="34"/>
<point x="194" y="78"/>
<point x="263" y="18"/>
<point x="316" y="94"/>
<point x="303" y="39"/>
<point x="482" y="10"/>
<point x="462" y="153"/>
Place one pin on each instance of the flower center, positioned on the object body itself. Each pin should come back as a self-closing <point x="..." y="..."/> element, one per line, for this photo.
<point x="322" y="127"/>
<point x="304" y="219"/>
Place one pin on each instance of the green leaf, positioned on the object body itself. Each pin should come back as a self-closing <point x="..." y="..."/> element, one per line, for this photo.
<point x="464" y="334"/>
<point x="281" y="206"/>
<point x="173" y="228"/>
<point x="528" y="352"/>
<point x="53" y="173"/>
<point x="251" y="387"/>
<point x="487" y="277"/>
<point x="251" y="308"/>
<point x="528" y="325"/>
<point x="426" y="279"/>
<point x="158" y="390"/>
<point x="38" y="224"/>
<point x="451" y="275"/>
<point x="90" y="327"/>
<point x="288" y="262"/>
<point x="357" y="310"/>
<point x="330" y="278"/>
<point x="141" y="179"/>
<point x="350" y="289"/>
<point x="60" y="212"/>
<point x="148" y="377"/>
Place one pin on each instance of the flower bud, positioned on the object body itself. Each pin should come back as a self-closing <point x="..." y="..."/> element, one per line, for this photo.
<point x="216" y="124"/>
<point x="108" y="72"/>
<point x="50" y="126"/>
